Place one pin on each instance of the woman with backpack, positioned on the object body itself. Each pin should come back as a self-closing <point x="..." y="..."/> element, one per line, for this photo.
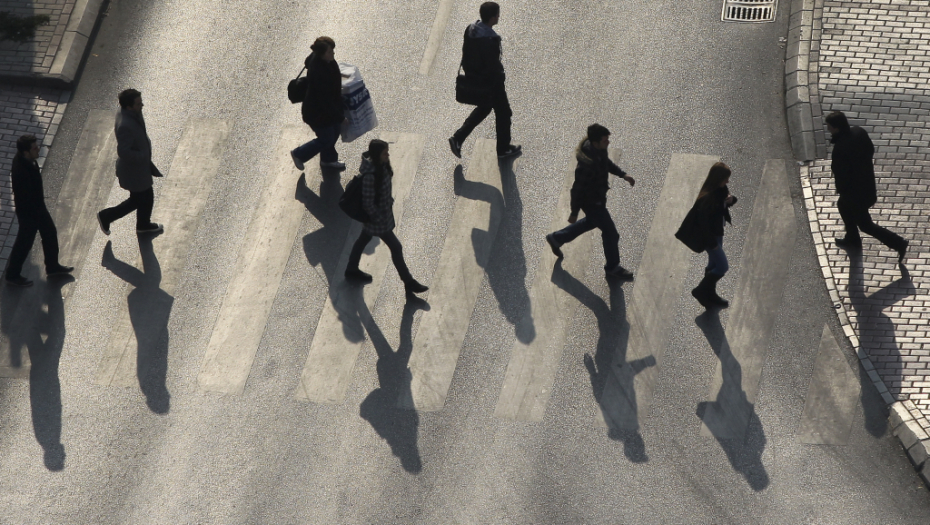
<point x="322" y="106"/>
<point x="378" y="203"/>
<point x="702" y="230"/>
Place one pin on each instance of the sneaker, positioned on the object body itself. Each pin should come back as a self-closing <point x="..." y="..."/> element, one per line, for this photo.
<point x="902" y="252"/>
<point x="358" y="276"/>
<point x="105" y="228"/>
<point x="848" y="245"/>
<point x="456" y="147"/>
<point x="20" y="281"/>
<point x="512" y="151"/>
<point x="554" y="245"/>
<point x="59" y="270"/>
<point x="297" y="162"/>
<point x="619" y="272"/>
<point x="150" y="228"/>
<point x="334" y="165"/>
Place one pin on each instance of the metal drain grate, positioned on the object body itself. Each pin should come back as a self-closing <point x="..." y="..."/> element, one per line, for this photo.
<point x="749" y="10"/>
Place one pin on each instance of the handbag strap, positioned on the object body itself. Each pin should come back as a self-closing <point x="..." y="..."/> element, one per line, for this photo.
<point x="301" y="73"/>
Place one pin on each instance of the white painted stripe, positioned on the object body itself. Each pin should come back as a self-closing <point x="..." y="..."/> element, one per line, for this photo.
<point x="89" y="179"/>
<point x="178" y="206"/>
<point x="435" y="36"/>
<point x="262" y="259"/>
<point x="832" y="397"/>
<point x="456" y="284"/>
<point x="628" y="391"/>
<point x="533" y="365"/>
<point x="337" y="343"/>
<point x="754" y="308"/>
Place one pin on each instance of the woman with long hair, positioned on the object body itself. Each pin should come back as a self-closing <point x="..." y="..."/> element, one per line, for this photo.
<point x="711" y="209"/>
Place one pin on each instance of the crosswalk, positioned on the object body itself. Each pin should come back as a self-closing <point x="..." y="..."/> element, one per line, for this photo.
<point x="134" y="351"/>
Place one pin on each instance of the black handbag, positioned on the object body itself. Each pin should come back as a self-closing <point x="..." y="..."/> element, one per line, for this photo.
<point x="297" y="88"/>
<point x="351" y="200"/>
<point x="692" y="233"/>
<point x="471" y="92"/>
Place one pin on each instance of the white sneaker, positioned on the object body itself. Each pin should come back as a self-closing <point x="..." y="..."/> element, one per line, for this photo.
<point x="336" y="165"/>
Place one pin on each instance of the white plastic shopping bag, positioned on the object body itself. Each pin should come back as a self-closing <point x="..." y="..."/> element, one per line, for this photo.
<point x="359" y="111"/>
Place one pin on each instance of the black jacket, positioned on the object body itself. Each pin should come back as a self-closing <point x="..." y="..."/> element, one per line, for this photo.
<point x="322" y="105"/>
<point x="591" y="184"/>
<point x="481" y="55"/>
<point x="704" y="222"/>
<point x="852" y="167"/>
<point x="28" y="194"/>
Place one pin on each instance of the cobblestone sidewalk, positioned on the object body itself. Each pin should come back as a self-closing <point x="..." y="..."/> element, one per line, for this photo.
<point x="871" y="60"/>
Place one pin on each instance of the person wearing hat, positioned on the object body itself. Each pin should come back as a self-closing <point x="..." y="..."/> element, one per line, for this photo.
<point x="322" y="107"/>
<point x="378" y="203"/>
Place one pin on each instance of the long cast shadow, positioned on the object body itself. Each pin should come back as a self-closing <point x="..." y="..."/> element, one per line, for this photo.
<point x="609" y="360"/>
<point x="149" y="312"/>
<point x="506" y="262"/>
<point x="397" y="426"/>
<point x="745" y="455"/>
<point x="877" y="335"/>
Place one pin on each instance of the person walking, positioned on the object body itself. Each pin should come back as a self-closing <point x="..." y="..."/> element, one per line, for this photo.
<point x="322" y="106"/>
<point x="702" y="230"/>
<point x="134" y="167"/>
<point x="32" y="214"/>
<point x="854" y="177"/>
<point x="589" y="194"/>
<point x="481" y="61"/>
<point x="378" y="203"/>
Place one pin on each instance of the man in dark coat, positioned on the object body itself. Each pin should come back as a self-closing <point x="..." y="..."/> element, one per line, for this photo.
<point x="589" y="194"/>
<point x="32" y="214"/>
<point x="134" y="167"/>
<point x="322" y="107"/>
<point x="481" y="62"/>
<point x="854" y="178"/>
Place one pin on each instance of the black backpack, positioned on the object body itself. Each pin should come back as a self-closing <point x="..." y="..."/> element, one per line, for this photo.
<point x="297" y="88"/>
<point x="351" y="200"/>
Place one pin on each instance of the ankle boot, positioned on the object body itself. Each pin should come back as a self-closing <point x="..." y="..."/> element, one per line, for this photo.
<point x="711" y="292"/>
<point x="411" y="286"/>
<point x="354" y="274"/>
<point x="700" y="292"/>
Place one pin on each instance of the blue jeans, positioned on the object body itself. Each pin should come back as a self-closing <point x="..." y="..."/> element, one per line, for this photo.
<point x="717" y="260"/>
<point x="324" y="144"/>
<point x="594" y="217"/>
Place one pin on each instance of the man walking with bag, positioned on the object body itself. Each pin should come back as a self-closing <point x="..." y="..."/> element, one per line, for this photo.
<point x="854" y="177"/>
<point x="481" y="61"/>
<point x="134" y="167"/>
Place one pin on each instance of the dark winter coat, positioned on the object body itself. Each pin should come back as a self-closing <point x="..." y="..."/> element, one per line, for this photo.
<point x="852" y="167"/>
<point x="704" y="222"/>
<point x="134" y="167"/>
<point x="481" y="55"/>
<point x="377" y="200"/>
<point x="322" y="105"/>
<point x="28" y="194"/>
<point x="591" y="184"/>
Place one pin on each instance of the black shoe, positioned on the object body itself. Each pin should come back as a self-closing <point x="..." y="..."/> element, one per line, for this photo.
<point x="104" y="227"/>
<point x="619" y="272"/>
<point x="59" y="270"/>
<point x="848" y="245"/>
<point x="150" y="228"/>
<point x="20" y="281"/>
<point x="358" y="276"/>
<point x="456" y="147"/>
<point x="414" y="287"/>
<point x="512" y="151"/>
<point x="902" y="252"/>
<point x="554" y="245"/>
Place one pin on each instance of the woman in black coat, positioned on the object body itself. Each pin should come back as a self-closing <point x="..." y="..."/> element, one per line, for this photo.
<point x="322" y="106"/>
<point x="705" y="226"/>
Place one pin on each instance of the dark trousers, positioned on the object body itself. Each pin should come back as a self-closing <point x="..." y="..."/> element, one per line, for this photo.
<point x="140" y="202"/>
<point x="41" y="223"/>
<point x="502" y="114"/>
<point x="393" y="244"/>
<point x="324" y="144"/>
<point x="594" y="217"/>
<point x="856" y="217"/>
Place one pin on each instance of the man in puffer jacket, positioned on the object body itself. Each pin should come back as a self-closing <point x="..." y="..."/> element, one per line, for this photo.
<point x="481" y="60"/>
<point x="589" y="194"/>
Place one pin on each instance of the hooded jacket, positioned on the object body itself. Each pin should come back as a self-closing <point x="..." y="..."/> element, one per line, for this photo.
<point x="322" y="105"/>
<point x="852" y="168"/>
<point x="591" y="184"/>
<point x="481" y="54"/>
<point x="377" y="198"/>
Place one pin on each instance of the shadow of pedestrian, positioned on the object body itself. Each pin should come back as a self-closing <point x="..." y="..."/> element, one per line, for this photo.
<point x="876" y="333"/>
<point x="397" y="426"/>
<point x="609" y="361"/>
<point x="506" y="271"/>
<point x="149" y="312"/>
<point x="732" y="419"/>
<point x="44" y="384"/>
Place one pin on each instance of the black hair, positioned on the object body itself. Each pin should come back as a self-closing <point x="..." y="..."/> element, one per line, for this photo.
<point x="596" y="132"/>
<point x="838" y="120"/>
<point x="24" y="143"/>
<point x="128" y="97"/>
<point x="489" y="10"/>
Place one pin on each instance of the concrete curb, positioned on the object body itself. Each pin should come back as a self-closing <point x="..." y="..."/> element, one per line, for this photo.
<point x="905" y="420"/>
<point x="70" y="52"/>
<point x="802" y="109"/>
